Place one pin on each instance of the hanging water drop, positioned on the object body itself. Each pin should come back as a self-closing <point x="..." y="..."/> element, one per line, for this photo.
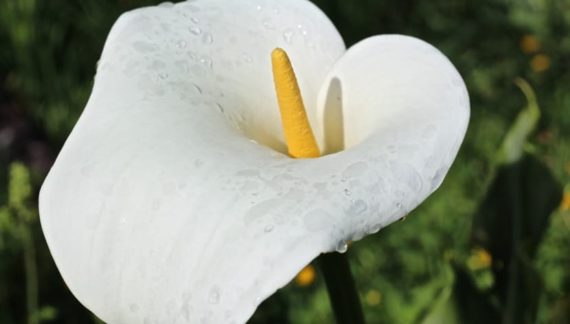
<point x="268" y="228"/>
<point x="375" y="229"/>
<point x="195" y="30"/>
<point x="347" y="192"/>
<point x="342" y="246"/>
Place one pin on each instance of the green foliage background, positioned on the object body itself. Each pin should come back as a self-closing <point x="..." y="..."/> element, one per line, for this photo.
<point x="419" y="270"/>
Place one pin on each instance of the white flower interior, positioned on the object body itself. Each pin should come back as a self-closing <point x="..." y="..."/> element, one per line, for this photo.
<point x="158" y="211"/>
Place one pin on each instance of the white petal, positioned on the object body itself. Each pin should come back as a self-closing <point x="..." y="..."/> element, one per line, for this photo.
<point x="157" y="211"/>
<point x="398" y="85"/>
<point x="218" y="52"/>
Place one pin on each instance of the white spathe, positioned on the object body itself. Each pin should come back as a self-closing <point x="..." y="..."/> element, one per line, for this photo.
<point x="161" y="208"/>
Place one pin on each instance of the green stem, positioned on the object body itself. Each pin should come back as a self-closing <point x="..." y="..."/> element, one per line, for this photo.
<point x="31" y="275"/>
<point x="343" y="295"/>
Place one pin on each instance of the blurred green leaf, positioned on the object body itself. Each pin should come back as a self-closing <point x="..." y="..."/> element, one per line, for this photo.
<point x="514" y="143"/>
<point x="510" y="224"/>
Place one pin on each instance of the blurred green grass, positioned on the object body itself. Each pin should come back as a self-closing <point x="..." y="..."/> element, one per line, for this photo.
<point x="47" y="62"/>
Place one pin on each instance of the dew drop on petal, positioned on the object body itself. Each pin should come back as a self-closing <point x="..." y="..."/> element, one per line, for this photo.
<point x="195" y="30"/>
<point x="357" y="207"/>
<point x="214" y="296"/>
<point x="246" y="58"/>
<point x="166" y="4"/>
<point x="375" y="229"/>
<point x="438" y="177"/>
<point x="268" y="228"/>
<point x="181" y="44"/>
<point x="347" y="192"/>
<point x="194" y="20"/>
<point x="342" y="246"/>
<point x="355" y="170"/>
<point x="268" y="24"/>
<point x="220" y="108"/>
<point x="207" y="38"/>
<point x="288" y="36"/>
<point x="197" y="88"/>
<point x="206" y="61"/>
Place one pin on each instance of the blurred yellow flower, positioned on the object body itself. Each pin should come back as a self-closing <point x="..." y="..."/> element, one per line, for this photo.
<point x="529" y="44"/>
<point x="373" y="297"/>
<point x="565" y="205"/>
<point x="306" y="277"/>
<point x="540" y="63"/>
<point x="479" y="259"/>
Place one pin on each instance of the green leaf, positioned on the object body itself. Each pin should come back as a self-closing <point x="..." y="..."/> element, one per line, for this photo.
<point x="514" y="143"/>
<point x="510" y="224"/>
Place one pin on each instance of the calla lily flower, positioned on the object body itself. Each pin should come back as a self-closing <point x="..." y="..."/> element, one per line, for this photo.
<point x="174" y="200"/>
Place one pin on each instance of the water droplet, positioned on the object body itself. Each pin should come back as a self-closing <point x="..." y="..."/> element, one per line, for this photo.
<point x="403" y="219"/>
<point x="194" y="20"/>
<point x="375" y="229"/>
<point x="181" y="44"/>
<point x="342" y="246"/>
<point x="357" y="207"/>
<point x="220" y="108"/>
<point x="347" y="192"/>
<point x="268" y="24"/>
<point x="288" y="36"/>
<point x="214" y="296"/>
<point x="207" y="38"/>
<point x="195" y="30"/>
<point x="438" y="177"/>
<point x="246" y="58"/>
<point x="268" y="228"/>
<point x="206" y="61"/>
<point x="197" y="88"/>
<point x="258" y="7"/>
<point x="163" y="76"/>
<point x="276" y="11"/>
<point x="355" y="170"/>
<point x="166" y="5"/>
<point x="398" y="205"/>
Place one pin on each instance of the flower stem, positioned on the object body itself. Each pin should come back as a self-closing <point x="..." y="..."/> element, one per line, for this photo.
<point x="343" y="295"/>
